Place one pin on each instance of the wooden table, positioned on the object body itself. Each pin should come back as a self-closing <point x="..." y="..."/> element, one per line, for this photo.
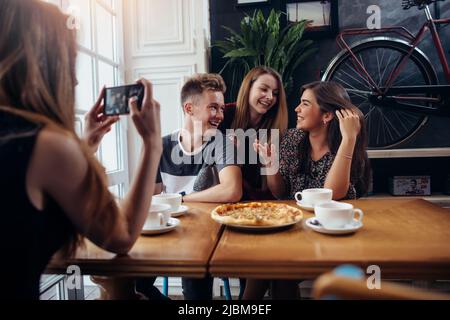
<point x="184" y="251"/>
<point x="407" y="238"/>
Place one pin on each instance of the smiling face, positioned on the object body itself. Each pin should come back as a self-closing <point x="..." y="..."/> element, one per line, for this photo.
<point x="309" y="115"/>
<point x="208" y="109"/>
<point x="263" y="94"/>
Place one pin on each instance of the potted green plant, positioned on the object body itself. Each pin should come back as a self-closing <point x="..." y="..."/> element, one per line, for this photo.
<point x="261" y="41"/>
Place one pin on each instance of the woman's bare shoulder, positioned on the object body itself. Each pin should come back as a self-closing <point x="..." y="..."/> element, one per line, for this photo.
<point x="58" y="142"/>
<point x="58" y="153"/>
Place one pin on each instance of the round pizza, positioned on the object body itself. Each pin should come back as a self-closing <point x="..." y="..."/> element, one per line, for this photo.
<point x="257" y="214"/>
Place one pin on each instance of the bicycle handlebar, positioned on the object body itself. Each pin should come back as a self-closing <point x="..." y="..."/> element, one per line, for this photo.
<point x="407" y="4"/>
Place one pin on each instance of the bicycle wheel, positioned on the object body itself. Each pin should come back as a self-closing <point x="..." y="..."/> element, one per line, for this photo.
<point x="386" y="127"/>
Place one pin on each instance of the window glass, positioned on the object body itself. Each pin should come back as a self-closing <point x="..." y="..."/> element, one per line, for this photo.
<point x="84" y="95"/>
<point x="105" y="32"/>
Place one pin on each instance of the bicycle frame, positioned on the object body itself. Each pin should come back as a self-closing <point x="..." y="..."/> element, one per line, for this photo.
<point x="402" y="32"/>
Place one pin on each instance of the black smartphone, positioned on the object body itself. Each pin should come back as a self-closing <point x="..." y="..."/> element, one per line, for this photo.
<point x="116" y="99"/>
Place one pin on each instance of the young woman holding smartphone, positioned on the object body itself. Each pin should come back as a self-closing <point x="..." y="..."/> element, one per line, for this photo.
<point x="53" y="190"/>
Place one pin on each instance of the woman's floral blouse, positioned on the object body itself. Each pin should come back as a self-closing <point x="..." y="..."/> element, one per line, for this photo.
<point x="291" y="156"/>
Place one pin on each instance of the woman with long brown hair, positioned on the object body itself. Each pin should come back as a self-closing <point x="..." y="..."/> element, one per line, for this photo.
<point x="327" y="149"/>
<point x="261" y="105"/>
<point x="53" y="190"/>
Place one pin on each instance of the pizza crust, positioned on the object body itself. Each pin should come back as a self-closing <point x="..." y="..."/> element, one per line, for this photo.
<point x="257" y="214"/>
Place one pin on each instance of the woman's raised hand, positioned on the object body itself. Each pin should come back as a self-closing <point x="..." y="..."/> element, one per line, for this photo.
<point x="349" y="123"/>
<point x="268" y="153"/>
<point x="147" y="120"/>
<point x="97" y="124"/>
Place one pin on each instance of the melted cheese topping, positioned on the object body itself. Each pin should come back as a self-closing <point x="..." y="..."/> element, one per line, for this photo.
<point x="259" y="211"/>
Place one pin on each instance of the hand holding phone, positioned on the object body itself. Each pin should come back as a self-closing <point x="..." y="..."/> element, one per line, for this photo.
<point x="97" y="124"/>
<point x="147" y="120"/>
<point x="117" y="98"/>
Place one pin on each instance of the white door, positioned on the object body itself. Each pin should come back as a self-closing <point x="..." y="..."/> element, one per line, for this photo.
<point x="165" y="41"/>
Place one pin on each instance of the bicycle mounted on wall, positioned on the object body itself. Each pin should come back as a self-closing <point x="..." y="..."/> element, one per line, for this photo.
<point x="392" y="81"/>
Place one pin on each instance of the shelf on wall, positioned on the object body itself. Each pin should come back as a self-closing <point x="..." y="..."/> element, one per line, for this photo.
<point x="439" y="199"/>
<point x="434" y="196"/>
<point x="409" y="153"/>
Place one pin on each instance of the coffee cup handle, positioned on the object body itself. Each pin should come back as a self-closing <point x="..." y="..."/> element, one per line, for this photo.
<point x="360" y="213"/>
<point x="296" y="196"/>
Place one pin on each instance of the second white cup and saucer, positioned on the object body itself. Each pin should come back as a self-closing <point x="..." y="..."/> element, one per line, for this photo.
<point x="308" y="198"/>
<point x="180" y="211"/>
<point x="173" y="200"/>
<point x="335" y="218"/>
<point x="159" y="220"/>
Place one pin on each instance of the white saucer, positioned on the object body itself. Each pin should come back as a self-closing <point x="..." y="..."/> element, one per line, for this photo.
<point x="172" y="224"/>
<point x="305" y="206"/>
<point x="261" y="228"/>
<point x="349" y="228"/>
<point x="181" y="210"/>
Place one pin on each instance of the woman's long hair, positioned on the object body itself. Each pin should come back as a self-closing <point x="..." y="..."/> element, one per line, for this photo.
<point x="331" y="96"/>
<point x="37" y="82"/>
<point x="275" y="118"/>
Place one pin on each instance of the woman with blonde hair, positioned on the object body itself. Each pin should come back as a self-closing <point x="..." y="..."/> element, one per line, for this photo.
<point x="261" y="105"/>
<point x="53" y="190"/>
<point x="260" y="110"/>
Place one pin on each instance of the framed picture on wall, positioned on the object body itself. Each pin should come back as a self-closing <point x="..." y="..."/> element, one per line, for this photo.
<point x="241" y="3"/>
<point x="322" y="14"/>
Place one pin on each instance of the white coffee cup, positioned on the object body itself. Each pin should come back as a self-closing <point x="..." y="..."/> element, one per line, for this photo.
<point x="336" y="215"/>
<point x="172" y="199"/>
<point x="312" y="197"/>
<point x="158" y="216"/>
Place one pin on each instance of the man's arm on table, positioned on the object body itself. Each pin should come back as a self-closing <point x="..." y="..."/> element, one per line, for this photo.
<point x="228" y="190"/>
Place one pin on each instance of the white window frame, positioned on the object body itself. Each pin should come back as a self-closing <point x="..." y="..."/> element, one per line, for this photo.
<point x="118" y="177"/>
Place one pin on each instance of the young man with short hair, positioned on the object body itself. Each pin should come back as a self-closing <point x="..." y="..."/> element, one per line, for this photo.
<point x="197" y="160"/>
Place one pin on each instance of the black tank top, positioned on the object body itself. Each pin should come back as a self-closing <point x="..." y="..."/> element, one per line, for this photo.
<point x="28" y="237"/>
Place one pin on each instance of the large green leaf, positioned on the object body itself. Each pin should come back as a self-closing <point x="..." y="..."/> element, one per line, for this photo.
<point x="270" y="48"/>
<point x="241" y="52"/>
<point x="247" y="39"/>
<point x="225" y="46"/>
<point x="273" y="23"/>
<point x="233" y="33"/>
